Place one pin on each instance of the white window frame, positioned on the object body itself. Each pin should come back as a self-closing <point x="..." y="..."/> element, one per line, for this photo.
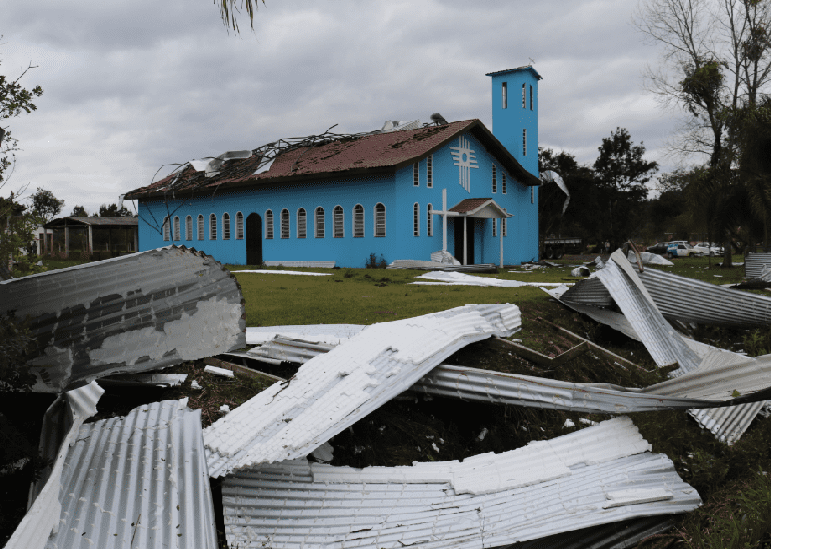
<point x="338" y="219"/>
<point x="166" y="229"/>
<point x="226" y="227"/>
<point x="239" y="226"/>
<point x="213" y="227"/>
<point x="284" y="220"/>
<point x="200" y="227"/>
<point x="531" y="96"/>
<point x="320" y="222"/>
<point x="504" y="183"/>
<point x="269" y="218"/>
<point x="494" y="179"/>
<point x="188" y="227"/>
<point x="524" y="95"/>
<point x="379" y="227"/>
<point x="430" y="171"/>
<point x="524" y="142"/>
<point x="494" y="227"/>
<point x="504" y="226"/>
<point x="176" y="229"/>
<point x="430" y="219"/>
<point x="301" y="222"/>
<point x="416" y="218"/>
<point x="358" y="221"/>
<point x="416" y="174"/>
<point x="504" y="95"/>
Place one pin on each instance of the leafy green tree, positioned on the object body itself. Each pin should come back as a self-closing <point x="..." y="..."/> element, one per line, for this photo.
<point x="113" y="211"/>
<point x="79" y="211"/>
<point x="45" y="206"/>
<point x="16" y="235"/>
<point x="622" y="174"/>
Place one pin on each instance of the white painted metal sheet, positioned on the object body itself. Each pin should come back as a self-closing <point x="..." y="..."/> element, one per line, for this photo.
<point x="489" y="500"/>
<point x="334" y="390"/>
<point x="318" y="333"/>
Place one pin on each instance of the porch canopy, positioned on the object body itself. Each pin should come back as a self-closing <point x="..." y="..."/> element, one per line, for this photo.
<point x="472" y="207"/>
<point x="89" y="234"/>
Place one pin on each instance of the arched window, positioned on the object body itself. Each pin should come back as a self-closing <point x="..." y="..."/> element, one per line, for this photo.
<point x="359" y="221"/>
<point x="188" y="228"/>
<point x="166" y="229"/>
<point x="200" y="227"/>
<point x="379" y="219"/>
<point x="284" y="223"/>
<point x="504" y="183"/>
<point x="416" y="219"/>
<point x="430" y="220"/>
<point x="176" y="229"/>
<point x="319" y="217"/>
<point x="239" y="226"/>
<point x="337" y="225"/>
<point x="270" y="224"/>
<point x="301" y="223"/>
<point x="213" y="227"/>
<point x="225" y="234"/>
<point x="494" y="179"/>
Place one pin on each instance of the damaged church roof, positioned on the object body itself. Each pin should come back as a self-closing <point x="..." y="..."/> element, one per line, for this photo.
<point x="381" y="151"/>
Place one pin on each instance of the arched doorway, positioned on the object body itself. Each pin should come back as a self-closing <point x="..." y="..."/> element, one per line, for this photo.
<point x="254" y="239"/>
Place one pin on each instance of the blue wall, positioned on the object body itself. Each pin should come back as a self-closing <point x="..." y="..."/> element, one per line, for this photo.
<point x="397" y="192"/>
<point x="509" y="122"/>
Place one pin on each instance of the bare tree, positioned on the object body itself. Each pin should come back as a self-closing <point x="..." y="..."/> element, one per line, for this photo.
<point x="716" y="57"/>
<point x="230" y="7"/>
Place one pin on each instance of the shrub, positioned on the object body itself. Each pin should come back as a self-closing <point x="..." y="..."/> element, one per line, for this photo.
<point x="373" y="263"/>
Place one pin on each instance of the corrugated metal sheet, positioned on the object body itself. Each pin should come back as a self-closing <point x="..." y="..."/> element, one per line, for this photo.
<point x="597" y="475"/>
<point x="755" y="263"/>
<point x="334" y="390"/>
<point x="61" y="427"/>
<point x="711" y="388"/>
<point x="435" y="266"/>
<point x="462" y="279"/>
<point x="618" y="535"/>
<point x="320" y="333"/>
<point x="134" y="313"/>
<point x="685" y="299"/>
<point x="318" y="264"/>
<point x="138" y="481"/>
<point x="290" y="350"/>
<point x="272" y="271"/>
<point x="140" y="380"/>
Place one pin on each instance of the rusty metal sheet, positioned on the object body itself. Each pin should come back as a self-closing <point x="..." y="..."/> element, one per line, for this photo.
<point x="134" y="313"/>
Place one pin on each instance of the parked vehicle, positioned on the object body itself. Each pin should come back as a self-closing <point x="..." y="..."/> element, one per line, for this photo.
<point x="680" y="248"/>
<point x="659" y="248"/>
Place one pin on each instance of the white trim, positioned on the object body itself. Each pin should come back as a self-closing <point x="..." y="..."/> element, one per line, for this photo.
<point x="416" y="218"/>
<point x="226" y="227"/>
<point x="430" y="171"/>
<point x="200" y="227"/>
<point x="376" y="228"/>
<point x="430" y="219"/>
<point x="319" y="232"/>
<point x="342" y="222"/>
<point x="239" y="226"/>
<point x="176" y="229"/>
<point x="213" y="227"/>
<point x="358" y="221"/>
<point x="304" y="225"/>
<point x="165" y="229"/>
<point x="284" y="229"/>
<point x="269" y="224"/>
<point x="188" y="227"/>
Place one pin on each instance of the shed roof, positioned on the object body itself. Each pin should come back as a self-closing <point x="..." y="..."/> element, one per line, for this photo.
<point x="93" y="221"/>
<point x="480" y="207"/>
<point x="525" y="67"/>
<point x="383" y="152"/>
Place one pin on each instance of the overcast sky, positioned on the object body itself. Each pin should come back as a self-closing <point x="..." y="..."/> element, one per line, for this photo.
<point x="134" y="85"/>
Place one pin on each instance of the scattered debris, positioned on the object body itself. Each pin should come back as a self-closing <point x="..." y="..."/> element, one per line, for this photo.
<point x="319" y="333"/>
<point x="436" y="266"/>
<point x="310" y="264"/>
<point x="324" y="453"/>
<point x="195" y="385"/>
<point x="219" y="371"/>
<point x="579" y="272"/>
<point x="756" y="265"/>
<point x="649" y="258"/>
<point x="283" y="348"/>
<point x="334" y="390"/>
<point x="598" y="475"/>
<point x="462" y="279"/>
<point x="141" y="380"/>
<point x="135" y="313"/>
<point x="224" y="408"/>
<point x="568" y="423"/>
<point x="444" y="256"/>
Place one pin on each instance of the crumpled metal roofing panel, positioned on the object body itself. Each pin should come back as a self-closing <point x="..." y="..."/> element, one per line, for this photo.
<point x="618" y="535"/>
<point x="685" y="299"/>
<point x="597" y="475"/>
<point x="290" y="350"/>
<point x="334" y="390"/>
<point x="710" y="388"/>
<point x="138" y="481"/>
<point x="755" y="263"/>
<point x="134" y="313"/>
<point x="456" y="278"/>
<point x="61" y="427"/>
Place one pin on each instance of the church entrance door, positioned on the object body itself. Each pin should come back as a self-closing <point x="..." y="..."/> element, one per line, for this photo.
<point x="254" y="240"/>
<point x="459" y="237"/>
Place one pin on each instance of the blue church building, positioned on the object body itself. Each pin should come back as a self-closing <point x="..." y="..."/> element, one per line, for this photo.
<point x="402" y="194"/>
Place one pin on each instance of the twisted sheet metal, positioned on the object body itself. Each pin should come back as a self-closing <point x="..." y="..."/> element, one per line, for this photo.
<point x="755" y="263"/>
<point x="598" y="475"/>
<point x="61" y="426"/>
<point x="138" y="481"/>
<point x="456" y="278"/>
<point x="684" y="299"/>
<point x="712" y="388"/>
<point x="134" y="313"/>
<point x="286" y="349"/>
<point x="334" y="390"/>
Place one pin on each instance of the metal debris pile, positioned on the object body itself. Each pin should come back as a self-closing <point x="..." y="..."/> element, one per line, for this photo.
<point x="144" y="479"/>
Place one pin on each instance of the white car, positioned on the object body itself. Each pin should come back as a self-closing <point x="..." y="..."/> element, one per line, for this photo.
<point x="680" y="248"/>
<point x="706" y="248"/>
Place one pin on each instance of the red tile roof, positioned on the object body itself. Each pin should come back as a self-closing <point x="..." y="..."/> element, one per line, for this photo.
<point x="469" y="204"/>
<point x="379" y="152"/>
